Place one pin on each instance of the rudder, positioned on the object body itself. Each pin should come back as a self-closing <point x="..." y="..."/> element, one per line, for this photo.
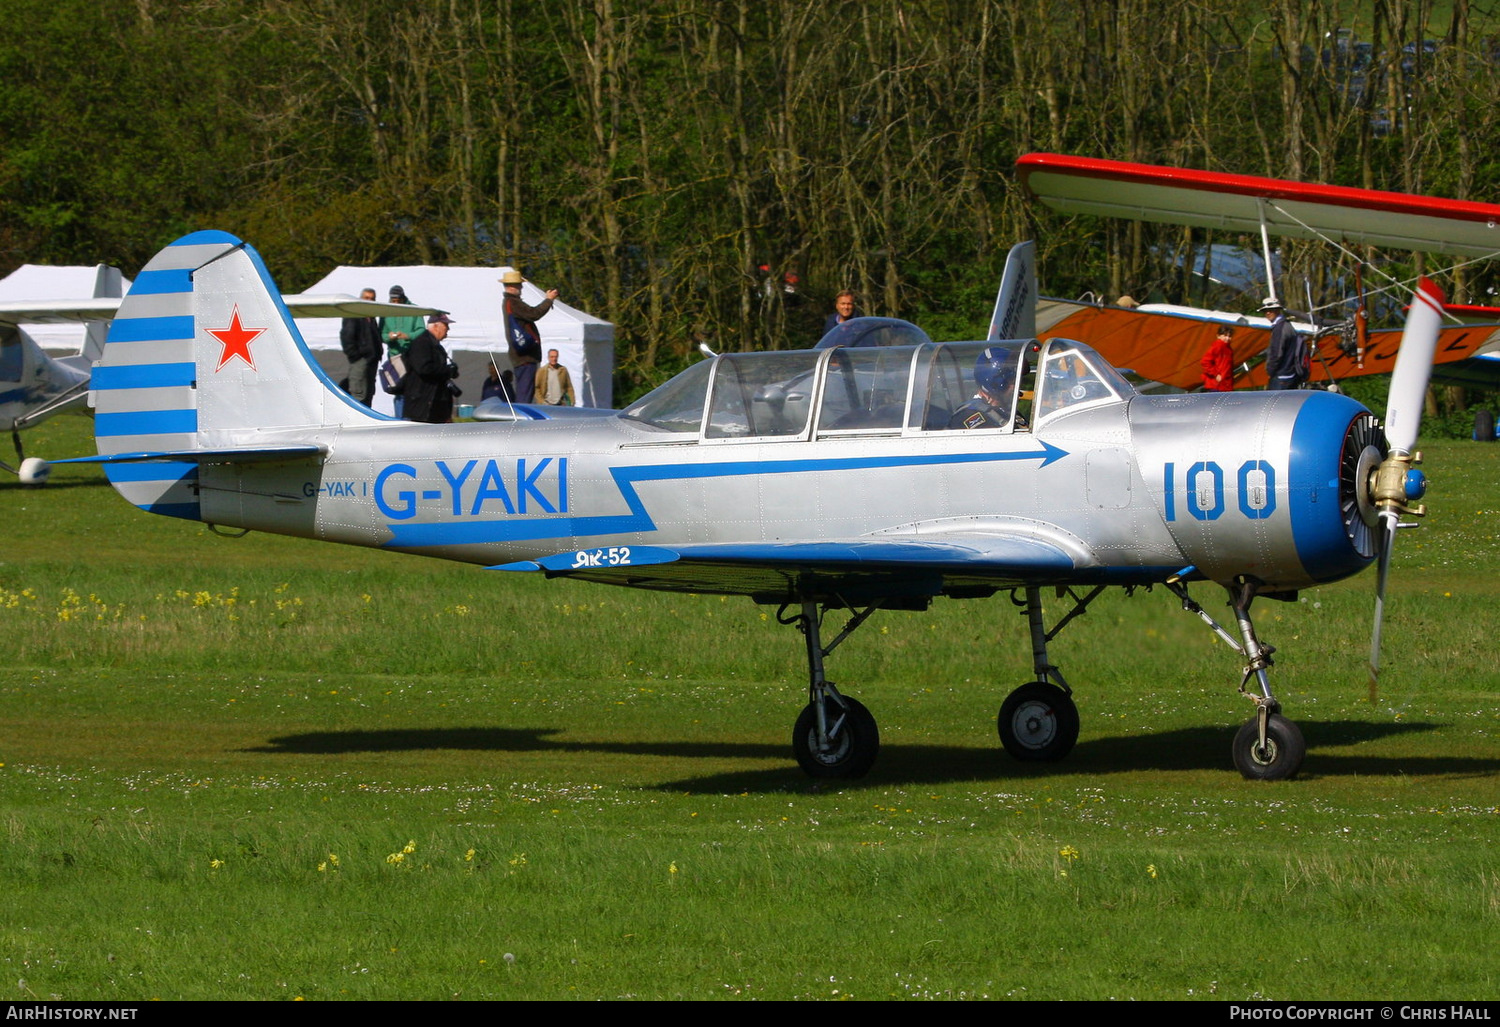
<point x="202" y="356"/>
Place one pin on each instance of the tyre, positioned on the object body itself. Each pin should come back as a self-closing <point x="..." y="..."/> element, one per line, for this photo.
<point x="853" y="739"/>
<point x="1038" y="722"/>
<point x="1279" y="760"/>
<point x="1484" y="426"/>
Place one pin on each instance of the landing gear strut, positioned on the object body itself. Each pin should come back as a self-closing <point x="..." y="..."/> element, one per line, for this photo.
<point x="1268" y="747"/>
<point x="835" y="736"/>
<point x="1039" y="721"/>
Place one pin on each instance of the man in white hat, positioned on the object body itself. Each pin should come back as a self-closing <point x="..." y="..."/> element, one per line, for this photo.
<point x="1286" y="357"/>
<point x="521" y="334"/>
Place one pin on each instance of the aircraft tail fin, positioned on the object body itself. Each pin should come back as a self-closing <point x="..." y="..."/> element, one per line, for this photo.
<point x="108" y="284"/>
<point x="1015" y="305"/>
<point x="203" y="355"/>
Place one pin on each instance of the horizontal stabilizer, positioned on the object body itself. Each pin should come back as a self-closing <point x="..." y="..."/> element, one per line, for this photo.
<point x="263" y="454"/>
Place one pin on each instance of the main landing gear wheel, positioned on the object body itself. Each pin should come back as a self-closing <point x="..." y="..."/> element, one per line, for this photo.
<point x="1282" y="756"/>
<point x="1038" y="722"/>
<point x="853" y="739"/>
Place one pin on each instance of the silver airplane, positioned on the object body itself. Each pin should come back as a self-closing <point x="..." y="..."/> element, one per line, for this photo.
<point x="841" y="478"/>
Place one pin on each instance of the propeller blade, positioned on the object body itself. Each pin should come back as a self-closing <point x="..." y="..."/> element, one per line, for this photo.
<point x="1384" y="541"/>
<point x="1395" y="482"/>
<point x="1403" y="411"/>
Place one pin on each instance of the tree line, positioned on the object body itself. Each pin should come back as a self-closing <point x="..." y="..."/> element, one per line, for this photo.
<point x="716" y="170"/>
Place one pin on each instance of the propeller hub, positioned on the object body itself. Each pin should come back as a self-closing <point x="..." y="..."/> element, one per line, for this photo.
<point x="1396" y="483"/>
<point x="1416" y="485"/>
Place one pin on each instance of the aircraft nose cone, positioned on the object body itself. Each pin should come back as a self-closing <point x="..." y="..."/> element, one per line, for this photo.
<point x="1416" y="484"/>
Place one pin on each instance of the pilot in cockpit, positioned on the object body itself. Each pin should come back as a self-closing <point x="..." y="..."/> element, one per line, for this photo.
<point x="995" y="377"/>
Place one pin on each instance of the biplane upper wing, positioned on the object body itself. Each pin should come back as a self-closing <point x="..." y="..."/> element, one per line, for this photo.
<point x="1242" y="203"/>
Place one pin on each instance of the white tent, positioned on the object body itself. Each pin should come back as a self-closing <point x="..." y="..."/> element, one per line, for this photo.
<point x="33" y="283"/>
<point x="472" y="296"/>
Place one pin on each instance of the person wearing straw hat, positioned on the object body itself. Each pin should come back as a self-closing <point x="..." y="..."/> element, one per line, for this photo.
<point x="521" y="334"/>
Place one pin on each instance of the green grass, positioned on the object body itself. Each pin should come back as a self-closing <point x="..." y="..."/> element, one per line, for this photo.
<point x="597" y="788"/>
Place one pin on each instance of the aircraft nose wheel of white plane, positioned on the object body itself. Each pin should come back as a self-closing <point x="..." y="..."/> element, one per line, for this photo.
<point x="1038" y="722"/>
<point x="835" y="736"/>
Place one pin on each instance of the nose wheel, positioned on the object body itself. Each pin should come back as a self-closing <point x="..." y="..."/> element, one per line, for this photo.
<point x="1277" y="758"/>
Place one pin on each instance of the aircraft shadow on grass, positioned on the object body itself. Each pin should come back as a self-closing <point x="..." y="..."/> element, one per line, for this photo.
<point x="79" y="483"/>
<point x="1185" y="749"/>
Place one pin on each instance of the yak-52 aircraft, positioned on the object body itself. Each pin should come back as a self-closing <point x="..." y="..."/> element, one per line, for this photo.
<point x="1164" y="343"/>
<point x="34" y="385"/>
<point x="850" y="478"/>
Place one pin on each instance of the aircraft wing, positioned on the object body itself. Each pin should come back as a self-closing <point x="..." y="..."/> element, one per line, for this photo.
<point x="1238" y="203"/>
<point x="1161" y="347"/>
<point x="343" y="305"/>
<point x="857" y="569"/>
<point x="1456" y="342"/>
<point x="103" y="309"/>
<point x="1167" y="347"/>
<point x="234" y="455"/>
<point x="56" y="312"/>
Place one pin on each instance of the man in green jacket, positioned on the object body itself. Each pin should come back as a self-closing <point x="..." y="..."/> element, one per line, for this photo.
<point x="398" y="333"/>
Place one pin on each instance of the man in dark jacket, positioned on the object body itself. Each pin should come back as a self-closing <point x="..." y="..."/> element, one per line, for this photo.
<point x="521" y="334"/>
<point x="360" y="337"/>
<point x="428" y="372"/>
<point x="1286" y="357"/>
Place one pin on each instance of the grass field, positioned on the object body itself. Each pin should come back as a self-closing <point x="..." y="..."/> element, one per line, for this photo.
<point x="268" y="768"/>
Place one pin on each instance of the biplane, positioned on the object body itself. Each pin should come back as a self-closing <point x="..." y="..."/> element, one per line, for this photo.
<point x="1164" y="343"/>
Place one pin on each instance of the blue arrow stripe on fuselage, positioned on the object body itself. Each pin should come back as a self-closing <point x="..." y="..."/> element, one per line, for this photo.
<point x="452" y="533"/>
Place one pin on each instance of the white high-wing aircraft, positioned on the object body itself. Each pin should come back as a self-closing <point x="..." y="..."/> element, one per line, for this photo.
<point x="34" y="385"/>
<point x="855" y="478"/>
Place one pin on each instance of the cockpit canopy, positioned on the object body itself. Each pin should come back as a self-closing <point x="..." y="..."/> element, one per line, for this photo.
<point x="873" y="331"/>
<point x="881" y="390"/>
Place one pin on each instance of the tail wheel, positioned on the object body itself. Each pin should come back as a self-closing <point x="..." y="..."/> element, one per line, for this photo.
<point x="853" y="739"/>
<point x="1279" y="759"/>
<point x="1038" y="722"/>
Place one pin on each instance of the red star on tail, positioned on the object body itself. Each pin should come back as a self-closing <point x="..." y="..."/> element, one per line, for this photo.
<point x="236" y="339"/>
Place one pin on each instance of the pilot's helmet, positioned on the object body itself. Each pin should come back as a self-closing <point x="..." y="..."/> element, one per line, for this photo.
<point x="995" y="370"/>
